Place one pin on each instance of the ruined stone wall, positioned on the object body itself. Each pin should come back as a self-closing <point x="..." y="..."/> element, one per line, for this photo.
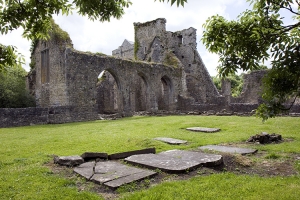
<point x="155" y="44"/>
<point x="50" y="87"/>
<point x="126" y="50"/>
<point x="252" y="88"/>
<point x="145" y="34"/>
<point x="82" y="70"/>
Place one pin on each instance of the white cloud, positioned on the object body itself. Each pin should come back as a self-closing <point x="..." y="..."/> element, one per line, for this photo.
<point x="105" y="37"/>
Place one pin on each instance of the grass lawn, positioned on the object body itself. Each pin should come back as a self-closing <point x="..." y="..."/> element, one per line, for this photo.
<point x="25" y="151"/>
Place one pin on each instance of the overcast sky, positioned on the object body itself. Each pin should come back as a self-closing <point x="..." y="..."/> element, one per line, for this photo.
<point x="105" y="37"/>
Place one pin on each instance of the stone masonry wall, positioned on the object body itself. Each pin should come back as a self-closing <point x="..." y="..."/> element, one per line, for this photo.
<point x="82" y="70"/>
<point x="51" y="89"/>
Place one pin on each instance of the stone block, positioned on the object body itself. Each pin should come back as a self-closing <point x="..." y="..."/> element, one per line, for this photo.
<point x="68" y="160"/>
<point x="94" y="155"/>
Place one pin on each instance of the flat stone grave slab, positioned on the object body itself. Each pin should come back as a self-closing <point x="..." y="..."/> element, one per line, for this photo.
<point x="229" y="149"/>
<point x="170" y="140"/>
<point x="203" y="129"/>
<point x="175" y="161"/>
<point x="112" y="174"/>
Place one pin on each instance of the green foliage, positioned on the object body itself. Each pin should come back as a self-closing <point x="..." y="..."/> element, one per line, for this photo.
<point x="272" y="156"/>
<point x="257" y="35"/>
<point x="179" y="2"/>
<point x="13" y="93"/>
<point x="236" y="82"/>
<point x="9" y="57"/>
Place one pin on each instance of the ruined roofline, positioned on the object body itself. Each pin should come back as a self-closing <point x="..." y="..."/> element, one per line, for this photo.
<point x="139" y="24"/>
<point x="183" y="30"/>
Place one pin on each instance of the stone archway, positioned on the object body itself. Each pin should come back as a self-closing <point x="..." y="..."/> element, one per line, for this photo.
<point x="108" y="95"/>
<point x="141" y="93"/>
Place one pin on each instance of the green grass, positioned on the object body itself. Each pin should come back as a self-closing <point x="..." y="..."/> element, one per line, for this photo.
<point x="25" y="150"/>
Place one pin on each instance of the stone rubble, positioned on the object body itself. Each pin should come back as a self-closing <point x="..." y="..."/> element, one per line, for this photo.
<point x="265" y="138"/>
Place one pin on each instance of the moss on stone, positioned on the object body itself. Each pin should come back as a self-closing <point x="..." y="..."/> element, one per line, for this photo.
<point x="58" y="33"/>
<point x="171" y="59"/>
<point x="136" y="44"/>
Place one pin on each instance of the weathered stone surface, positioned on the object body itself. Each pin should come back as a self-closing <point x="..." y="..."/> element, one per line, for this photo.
<point x="69" y="160"/>
<point x="170" y="140"/>
<point x="229" y="149"/>
<point x="108" y="171"/>
<point x="94" y="155"/>
<point x="130" y="178"/>
<point x="174" y="161"/>
<point x="86" y="169"/>
<point x="203" y="129"/>
<point x="130" y="153"/>
<point x="203" y="158"/>
<point x="164" y="163"/>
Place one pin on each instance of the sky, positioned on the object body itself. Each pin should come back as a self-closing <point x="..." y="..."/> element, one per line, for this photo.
<point x="104" y="37"/>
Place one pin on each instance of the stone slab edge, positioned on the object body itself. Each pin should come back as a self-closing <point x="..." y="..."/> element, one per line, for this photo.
<point x="130" y="178"/>
<point x="131" y="153"/>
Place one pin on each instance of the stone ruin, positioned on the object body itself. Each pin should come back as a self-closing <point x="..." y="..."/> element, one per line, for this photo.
<point x="160" y="72"/>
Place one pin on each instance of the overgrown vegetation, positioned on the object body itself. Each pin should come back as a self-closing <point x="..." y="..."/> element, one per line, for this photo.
<point x="171" y="60"/>
<point x="13" y="93"/>
<point x="26" y="152"/>
<point x="236" y="82"/>
<point x="259" y="34"/>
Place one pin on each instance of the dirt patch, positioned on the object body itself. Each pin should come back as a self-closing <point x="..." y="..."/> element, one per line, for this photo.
<point x="261" y="164"/>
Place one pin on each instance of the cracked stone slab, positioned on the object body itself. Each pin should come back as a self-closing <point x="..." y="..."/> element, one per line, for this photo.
<point x="229" y="149"/>
<point x="130" y="178"/>
<point x="170" y="140"/>
<point x="174" y="161"/>
<point x="105" y="172"/>
<point x="203" y="129"/>
<point x="86" y="169"/>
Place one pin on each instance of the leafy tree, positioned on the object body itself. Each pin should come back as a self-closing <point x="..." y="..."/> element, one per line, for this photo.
<point x="34" y="17"/>
<point x="236" y="82"/>
<point x="13" y="93"/>
<point x="257" y="35"/>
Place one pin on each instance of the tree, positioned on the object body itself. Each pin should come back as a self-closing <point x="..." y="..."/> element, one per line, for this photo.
<point x="34" y="17"/>
<point x="13" y="93"/>
<point x="257" y="35"/>
<point x="236" y="82"/>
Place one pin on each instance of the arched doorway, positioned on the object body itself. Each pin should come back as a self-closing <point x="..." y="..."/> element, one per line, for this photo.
<point x="108" y="93"/>
<point x="165" y="94"/>
<point x="141" y="93"/>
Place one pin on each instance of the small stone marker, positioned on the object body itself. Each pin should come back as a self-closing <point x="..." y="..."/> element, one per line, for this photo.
<point x="203" y="129"/>
<point x="229" y="149"/>
<point x="68" y="160"/>
<point x="175" y="161"/>
<point x="170" y="140"/>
